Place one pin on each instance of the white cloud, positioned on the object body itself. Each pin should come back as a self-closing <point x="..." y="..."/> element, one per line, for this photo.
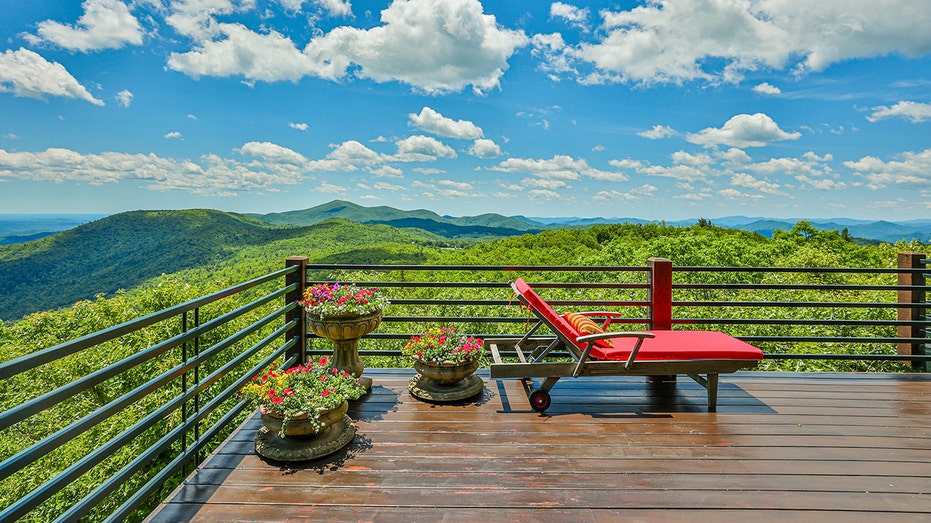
<point x="105" y="24"/>
<point x="387" y="171"/>
<point x="421" y="148"/>
<point x="743" y="130"/>
<point x="570" y="13"/>
<point x="434" y="46"/>
<point x="912" y="169"/>
<point x="462" y="186"/>
<point x="382" y="186"/>
<point x="25" y="73"/>
<point x="714" y="40"/>
<point x="434" y="122"/>
<point x="274" y="152"/>
<point x="299" y="126"/>
<point x="559" y="167"/>
<point x="485" y="148"/>
<point x="763" y="186"/>
<point x="658" y="132"/>
<point x="347" y="156"/>
<point x="173" y="134"/>
<point x="765" y="88"/>
<point x="912" y="111"/>
<point x="124" y="98"/>
<point x="210" y="176"/>
<point x="697" y="160"/>
<point x="240" y="51"/>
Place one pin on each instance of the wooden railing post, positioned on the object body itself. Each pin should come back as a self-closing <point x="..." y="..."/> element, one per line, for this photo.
<point x="912" y="260"/>
<point x="660" y="276"/>
<point x="300" y="330"/>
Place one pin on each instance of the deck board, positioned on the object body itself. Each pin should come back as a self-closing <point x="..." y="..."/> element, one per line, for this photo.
<point x="781" y="447"/>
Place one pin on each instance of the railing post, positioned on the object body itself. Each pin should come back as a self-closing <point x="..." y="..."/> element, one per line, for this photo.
<point x="912" y="260"/>
<point x="660" y="276"/>
<point x="300" y="330"/>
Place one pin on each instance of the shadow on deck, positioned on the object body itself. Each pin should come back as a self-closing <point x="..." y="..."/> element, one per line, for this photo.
<point x="782" y="447"/>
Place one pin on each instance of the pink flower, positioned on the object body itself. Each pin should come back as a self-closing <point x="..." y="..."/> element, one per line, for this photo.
<point x="325" y="393"/>
<point x="277" y="400"/>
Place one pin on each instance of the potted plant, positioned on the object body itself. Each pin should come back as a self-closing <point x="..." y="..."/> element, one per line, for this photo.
<point x="344" y="313"/>
<point x="302" y="400"/>
<point x="445" y="363"/>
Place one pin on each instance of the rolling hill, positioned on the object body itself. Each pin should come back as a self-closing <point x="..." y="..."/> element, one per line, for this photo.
<point x="482" y="226"/>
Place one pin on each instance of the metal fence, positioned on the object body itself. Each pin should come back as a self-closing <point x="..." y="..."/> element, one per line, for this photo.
<point x="177" y="396"/>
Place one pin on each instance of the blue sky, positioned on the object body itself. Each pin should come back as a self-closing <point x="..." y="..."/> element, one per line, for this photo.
<point x="650" y="109"/>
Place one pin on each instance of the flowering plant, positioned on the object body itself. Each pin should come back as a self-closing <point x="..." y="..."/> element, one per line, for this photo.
<point x="443" y="345"/>
<point x="304" y="389"/>
<point x="334" y="299"/>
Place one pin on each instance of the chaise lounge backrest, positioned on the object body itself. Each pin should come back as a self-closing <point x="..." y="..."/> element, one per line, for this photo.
<point x="567" y="331"/>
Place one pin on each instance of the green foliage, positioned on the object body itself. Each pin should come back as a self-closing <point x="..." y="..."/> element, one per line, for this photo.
<point x="212" y="251"/>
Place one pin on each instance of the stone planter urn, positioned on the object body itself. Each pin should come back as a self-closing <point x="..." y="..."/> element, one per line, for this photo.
<point x="345" y="332"/>
<point x="445" y="382"/>
<point x="303" y="441"/>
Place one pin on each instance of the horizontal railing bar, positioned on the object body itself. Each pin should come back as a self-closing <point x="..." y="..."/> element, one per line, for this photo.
<point x="47" y="490"/>
<point x="791" y="321"/>
<point x="36" y="405"/>
<point x="848" y="270"/>
<point x="166" y="472"/>
<point x="481" y="268"/>
<point x="514" y="302"/>
<point x="794" y="304"/>
<point x="489" y="285"/>
<point x="115" y="481"/>
<point x="28" y="456"/>
<point x="41" y="357"/>
<point x="853" y="357"/>
<point x="798" y="286"/>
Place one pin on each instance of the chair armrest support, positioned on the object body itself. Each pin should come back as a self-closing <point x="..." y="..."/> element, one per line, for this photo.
<point x="589" y="340"/>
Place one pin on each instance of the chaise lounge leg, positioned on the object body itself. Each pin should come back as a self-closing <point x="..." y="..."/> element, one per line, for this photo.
<point x="712" y="392"/>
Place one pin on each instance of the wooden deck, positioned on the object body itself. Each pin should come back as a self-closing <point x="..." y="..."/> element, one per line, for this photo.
<point x="782" y="447"/>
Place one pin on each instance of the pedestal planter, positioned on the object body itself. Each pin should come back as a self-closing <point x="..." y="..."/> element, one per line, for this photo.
<point x="345" y="332"/>
<point x="302" y="440"/>
<point x="445" y="382"/>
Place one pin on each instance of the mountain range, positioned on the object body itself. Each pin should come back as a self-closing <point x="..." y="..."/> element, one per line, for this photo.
<point x="101" y="255"/>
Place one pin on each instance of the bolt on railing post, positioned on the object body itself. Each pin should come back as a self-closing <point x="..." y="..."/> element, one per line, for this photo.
<point x="300" y="330"/>
<point x="660" y="276"/>
<point x="912" y="260"/>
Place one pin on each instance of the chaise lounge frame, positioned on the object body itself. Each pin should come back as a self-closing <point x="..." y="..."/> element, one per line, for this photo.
<point x="658" y="353"/>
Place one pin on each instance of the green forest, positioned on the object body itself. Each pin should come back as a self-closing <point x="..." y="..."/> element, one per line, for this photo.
<point x="137" y="263"/>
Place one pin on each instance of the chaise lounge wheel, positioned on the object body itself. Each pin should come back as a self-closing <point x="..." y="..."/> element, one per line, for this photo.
<point x="540" y="400"/>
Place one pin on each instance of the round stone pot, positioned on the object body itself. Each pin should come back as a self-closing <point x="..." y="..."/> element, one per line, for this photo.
<point x="345" y="332"/>
<point x="445" y="382"/>
<point x="301" y="441"/>
<point x="300" y="425"/>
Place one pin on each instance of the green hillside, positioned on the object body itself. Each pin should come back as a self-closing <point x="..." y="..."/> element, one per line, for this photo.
<point x="124" y="250"/>
<point x="120" y="251"/>
<point x="484" y="225"/>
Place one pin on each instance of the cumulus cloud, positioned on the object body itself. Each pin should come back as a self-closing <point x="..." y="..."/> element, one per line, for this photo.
<point x="347" y="156"/>
<point x="913" y="169"/>
<point x="712" y="40"/>
<point x="433" y="46"/>
<point x="25" y="73"/>
<point x="485" y="148"/>
<point x="559" y="167"/>
<point x="124" y="98"/>
<point x="764" y="186"/>
<point x="658" y="132"/>
<point x="105" y="24"/>
<point x="274" y="152"/>
<point x="573" y="15"/>
<point x="211" y="175"/>
<point x="766" y="88"/>
<point x="299" y="126"/>
<point x="434" y="122"/>
<point x="172" y="135"/>
<point x="743" y="130"/>
<point x="912" y="111"/>
<point x="240" y="51"/>
<point x="421" y="148"/>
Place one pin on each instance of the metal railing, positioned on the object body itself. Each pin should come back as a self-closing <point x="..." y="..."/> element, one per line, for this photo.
<point x="183" y="400"/>
<point x="141" y="422"/>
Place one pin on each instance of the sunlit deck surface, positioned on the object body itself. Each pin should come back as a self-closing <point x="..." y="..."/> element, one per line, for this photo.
<point x="781" y="447"/>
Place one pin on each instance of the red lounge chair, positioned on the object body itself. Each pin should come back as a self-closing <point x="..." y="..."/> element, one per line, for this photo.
<point x="644" y="353"/>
